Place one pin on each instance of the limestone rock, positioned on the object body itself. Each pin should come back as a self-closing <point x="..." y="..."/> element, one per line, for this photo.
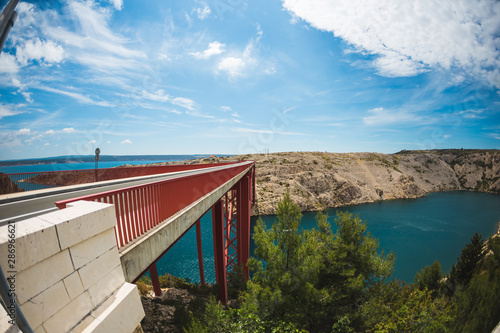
<point x="319" y="180"/>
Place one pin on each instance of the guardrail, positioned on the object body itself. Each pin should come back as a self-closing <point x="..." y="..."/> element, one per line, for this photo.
<point x="30" y="181"/>
<point x="18" y="182"/>
<point x="140" y="208"/>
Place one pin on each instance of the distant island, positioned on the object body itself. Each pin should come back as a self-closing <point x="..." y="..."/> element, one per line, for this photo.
<point x="103" y="158"/>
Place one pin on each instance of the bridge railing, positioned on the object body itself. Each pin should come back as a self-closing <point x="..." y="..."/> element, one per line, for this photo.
<point x="30" y="181"/>
<point x="140" y="208"/>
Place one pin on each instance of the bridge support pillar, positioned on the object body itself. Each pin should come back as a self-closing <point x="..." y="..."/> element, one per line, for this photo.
<point x="231" y="232"/>
<point x="200" y="252"/>
<point x="219" y="250"/>
<point x="243" y="217"/>
<point x="154" y="279"/>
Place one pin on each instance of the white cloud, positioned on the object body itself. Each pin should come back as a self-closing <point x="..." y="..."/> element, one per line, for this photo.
<point x="8" y="110"/>
<point x="155" y="107"/>
<point x="67" y="130"/>
<point x="118" y="4"/>
<point x="235" y="114"/>
<point x="95" y="33"/>
<point x="270" y="69"/>
<point x="26" y="15"/>
<point x="47" y="144"/>
<point x="126" y="141"/>
<point x="91" y="142"/>
<point x="34" y="138"/>
<point x="381" y="116"/>
<point x="24" y="131"/>
<point x="77" y="96"/>
<point x="185" y="103"/>
<point x="263" y="131"/>
<point x="198" y="114"/>
<point x="160" y="96"/>
<point x="202" y="13"/>
<point x="234" y="67"/>
<point x="240" y="64"/>
<point x="8" y="64"/>
<point x="393" y="64"/>
<point x="259" y="32"/>
<point x="26" y="95"/>
<point x="89" y="40"/>
<point x="226" y="108"/>
<point x="471" y="114"/>
<point x="105" y="62"/>
<point x="10" y="139"/>
<point x="35" y="49"/>
<point x="410" y="37"/>
<point x="214" y="48"/>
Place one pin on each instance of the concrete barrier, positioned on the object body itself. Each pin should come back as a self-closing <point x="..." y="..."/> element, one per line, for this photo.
<point x="67" y="274"/>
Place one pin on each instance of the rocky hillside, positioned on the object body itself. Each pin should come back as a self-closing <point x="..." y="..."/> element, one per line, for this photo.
<point x="320" y="180"/>
<point x="7" y="185"/>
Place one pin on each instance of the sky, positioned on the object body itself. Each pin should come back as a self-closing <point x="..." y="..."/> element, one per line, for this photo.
<point x="248" y="76"/>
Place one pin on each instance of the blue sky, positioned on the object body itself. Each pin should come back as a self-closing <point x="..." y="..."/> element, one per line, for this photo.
<point x="241" y="76"/>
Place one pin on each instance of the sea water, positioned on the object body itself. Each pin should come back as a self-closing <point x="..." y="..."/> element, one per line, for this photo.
<point x="68" y="166"/>
<point x="418" y="231"/>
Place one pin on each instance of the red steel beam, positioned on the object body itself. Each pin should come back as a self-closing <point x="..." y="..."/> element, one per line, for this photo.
<point x="220" y="260"/>
<point x="154" y="279"/>
<point x="200" y="252"/>
<point x="244" y="221"/>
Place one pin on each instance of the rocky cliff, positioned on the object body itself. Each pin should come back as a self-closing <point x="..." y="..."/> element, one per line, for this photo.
<point x="7" y="185"/>
<point x="321" y="180"/>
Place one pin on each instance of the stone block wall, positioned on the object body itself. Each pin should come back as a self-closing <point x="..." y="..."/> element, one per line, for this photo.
<point x="68" y="272"/>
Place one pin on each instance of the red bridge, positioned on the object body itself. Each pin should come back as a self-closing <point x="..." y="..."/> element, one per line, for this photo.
<point x="154" y="214"/>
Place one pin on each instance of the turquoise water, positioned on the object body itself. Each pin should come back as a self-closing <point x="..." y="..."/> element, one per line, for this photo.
<point x="67" y="166"/>
<point x="418" y="231"/>
<point x="58" y="167"/>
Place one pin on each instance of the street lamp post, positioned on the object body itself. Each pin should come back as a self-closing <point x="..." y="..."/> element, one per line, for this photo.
<point x="97" y="158"/>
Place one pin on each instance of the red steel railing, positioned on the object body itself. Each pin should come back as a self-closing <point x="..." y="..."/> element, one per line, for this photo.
<point x="140" y="208"/>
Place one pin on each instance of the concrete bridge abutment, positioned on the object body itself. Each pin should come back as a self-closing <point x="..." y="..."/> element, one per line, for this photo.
<point x="66" y="272"/>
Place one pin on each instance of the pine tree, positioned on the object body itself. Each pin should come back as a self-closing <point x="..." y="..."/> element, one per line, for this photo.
<point x="461" y="273"/>
<point x="285" y="266"/>
<point x="478" y="306"/>
<point x="429" y="278"/>
<point x="313" y="278"/>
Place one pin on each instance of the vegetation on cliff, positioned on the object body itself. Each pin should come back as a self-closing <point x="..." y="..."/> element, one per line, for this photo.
<point x="320" y="281"/>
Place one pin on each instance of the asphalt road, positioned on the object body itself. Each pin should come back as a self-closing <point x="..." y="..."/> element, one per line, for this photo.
<point x="21" y="206"/>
